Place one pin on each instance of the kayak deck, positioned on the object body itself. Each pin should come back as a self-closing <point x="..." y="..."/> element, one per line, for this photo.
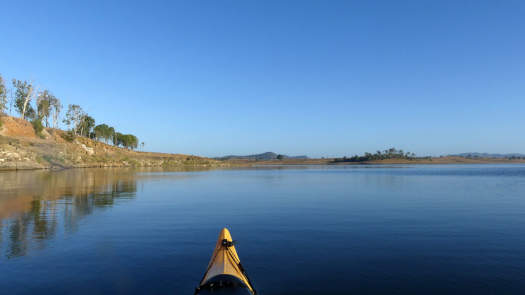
<point x="225" y="273"/>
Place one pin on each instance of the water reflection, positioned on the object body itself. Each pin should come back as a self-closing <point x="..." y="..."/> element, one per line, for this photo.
<point x="35" y="205"/>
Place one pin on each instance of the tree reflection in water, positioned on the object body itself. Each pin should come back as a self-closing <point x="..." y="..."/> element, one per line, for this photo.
<point x="35" y="204"/>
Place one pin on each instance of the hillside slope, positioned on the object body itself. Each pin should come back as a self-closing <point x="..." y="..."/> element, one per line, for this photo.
<point x="21" y="148"/>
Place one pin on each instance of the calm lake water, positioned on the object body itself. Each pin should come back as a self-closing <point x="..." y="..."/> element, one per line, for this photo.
<point x="300" y="230"/>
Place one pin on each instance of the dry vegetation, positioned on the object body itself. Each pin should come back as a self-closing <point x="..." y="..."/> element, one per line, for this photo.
<point x="21" y="148"/>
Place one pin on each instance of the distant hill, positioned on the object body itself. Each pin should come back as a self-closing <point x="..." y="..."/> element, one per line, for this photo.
<point x="487" y="155"/>
<point x="260" y="157"/>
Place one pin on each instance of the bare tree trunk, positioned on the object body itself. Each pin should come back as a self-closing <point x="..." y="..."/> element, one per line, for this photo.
<point x="27" y="100"/>
<point x="11" y="103"/>
<point x="55" y="118"/>
<point x="77" y="123"/>
<point x="28" y="97"/>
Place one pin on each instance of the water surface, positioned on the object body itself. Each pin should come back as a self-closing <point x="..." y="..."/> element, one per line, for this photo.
<point x="300" y="230"/>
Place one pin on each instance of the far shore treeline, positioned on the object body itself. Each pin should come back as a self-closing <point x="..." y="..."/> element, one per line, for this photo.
<point x="21" y="96"/>
<point x="389" y="154"/>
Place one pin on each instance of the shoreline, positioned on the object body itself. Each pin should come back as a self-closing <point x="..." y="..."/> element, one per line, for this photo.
<point x="166" y="162"/>
<point x="330" y="162"/>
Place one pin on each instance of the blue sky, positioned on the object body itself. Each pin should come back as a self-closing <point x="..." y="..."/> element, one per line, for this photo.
<point x="322" y="78"/>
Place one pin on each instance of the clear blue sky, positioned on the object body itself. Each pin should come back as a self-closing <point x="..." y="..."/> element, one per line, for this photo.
<point x="322" y="78"/>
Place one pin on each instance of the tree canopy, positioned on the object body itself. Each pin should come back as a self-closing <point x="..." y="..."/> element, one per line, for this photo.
<point x="73" y="117"/>
<point x="85" y="125"/>
<point x="104" y="132"/>
<point x="23" y="96"/>
<point x="126" y="140"/>
<point x="46" y="103"/>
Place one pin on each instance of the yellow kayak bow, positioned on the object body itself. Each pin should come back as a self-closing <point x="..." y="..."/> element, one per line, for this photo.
<point x="225" y="269"/>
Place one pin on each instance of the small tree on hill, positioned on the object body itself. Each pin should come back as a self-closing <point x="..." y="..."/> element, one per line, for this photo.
<point x="43" y="110"/>
<point x="85" y="125"/>
<point x="118" y="139"/>
<point x="101" y="131"/>
<point x="110" y="135"/>
<point x="3" y="96"/>
<point x="44" y="103"/>
<point x="133" y="141"/>
<point x="37" y="126"/>
<point x="128" y="141"/>
<point x="73" y="117"/>
<point x="23" y="95"/>
<point x="104" y="132"/>
<point x="57" y="107"/>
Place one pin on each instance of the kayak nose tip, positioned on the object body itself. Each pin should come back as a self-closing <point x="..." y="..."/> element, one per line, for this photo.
<point x="225" y="234"/>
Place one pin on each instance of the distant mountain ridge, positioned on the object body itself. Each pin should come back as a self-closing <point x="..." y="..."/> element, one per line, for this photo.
<point x="260" y="157"/>
<point x="488" y="155"/>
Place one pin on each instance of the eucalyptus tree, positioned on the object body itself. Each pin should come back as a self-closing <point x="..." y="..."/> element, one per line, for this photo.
<point x="111" y="135"/>
<point x="103" y="131"/>
<point x="57" y="107"/>
<point x="3" y="95"/>
<point x="43" y="104"/>
<point x="74" y="116"/>
<point x="133" y="141"/>
<point x="85" y="125"/>
<point x="24" y="92"/>
<point x="118" y="139"/>
<point x="129" y="141"/>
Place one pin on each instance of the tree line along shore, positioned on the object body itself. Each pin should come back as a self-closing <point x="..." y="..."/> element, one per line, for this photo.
<point x="33" y="140"/>
<point x="41" y="106"/>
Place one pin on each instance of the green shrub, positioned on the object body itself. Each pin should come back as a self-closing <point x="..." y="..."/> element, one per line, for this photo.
<point x="37" y="125"/>
<point x="68" y="135"/>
